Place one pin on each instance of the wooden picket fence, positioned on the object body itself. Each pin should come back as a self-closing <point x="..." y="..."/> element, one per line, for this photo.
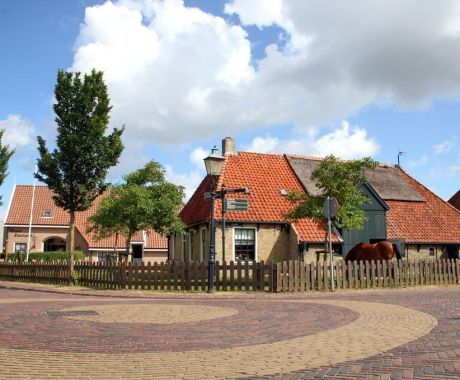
<point x="296" y="276"/>
<point x="287" y="276"/>
<point x="189" y="276"/>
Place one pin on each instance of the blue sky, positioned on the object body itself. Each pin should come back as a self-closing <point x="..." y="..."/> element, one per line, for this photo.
<point x="278" y="76"/>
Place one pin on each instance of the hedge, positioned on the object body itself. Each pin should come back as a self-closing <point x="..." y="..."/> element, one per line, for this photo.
<point x="47" y="256"/>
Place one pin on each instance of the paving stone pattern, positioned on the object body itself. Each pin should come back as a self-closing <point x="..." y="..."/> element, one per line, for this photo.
<point x="392" y="334"/>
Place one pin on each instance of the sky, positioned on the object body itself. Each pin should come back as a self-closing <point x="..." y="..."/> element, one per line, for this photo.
<point x="353" y="79"/>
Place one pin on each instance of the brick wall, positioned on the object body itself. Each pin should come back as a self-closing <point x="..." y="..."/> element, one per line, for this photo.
<point x="39" y="235"/>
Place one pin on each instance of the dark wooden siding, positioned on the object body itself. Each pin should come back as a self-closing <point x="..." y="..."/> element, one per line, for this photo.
<point x="375" y="227"/>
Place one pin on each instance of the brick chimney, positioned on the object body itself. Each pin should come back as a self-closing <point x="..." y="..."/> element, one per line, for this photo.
<point x="228" y="146"/>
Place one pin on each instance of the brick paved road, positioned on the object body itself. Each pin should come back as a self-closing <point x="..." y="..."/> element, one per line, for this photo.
<point x="387" y="334"/>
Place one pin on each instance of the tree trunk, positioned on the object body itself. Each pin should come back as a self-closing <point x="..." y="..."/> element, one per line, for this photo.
<point x="115" y="250"/>
<point x="71" y="245"/>
<point x="128" y="248"/>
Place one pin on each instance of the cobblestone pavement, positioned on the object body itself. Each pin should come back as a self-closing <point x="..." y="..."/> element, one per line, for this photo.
<point x="381" y="334"/>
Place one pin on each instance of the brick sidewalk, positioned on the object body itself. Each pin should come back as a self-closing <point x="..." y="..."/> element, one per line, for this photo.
<point x="141" y="334"/>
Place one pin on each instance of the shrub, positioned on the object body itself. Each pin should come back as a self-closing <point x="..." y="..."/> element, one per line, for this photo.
<point x="47" y="256"/>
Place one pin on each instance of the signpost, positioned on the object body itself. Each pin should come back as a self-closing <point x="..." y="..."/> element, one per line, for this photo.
<point x="233" y="204"/>
<point x="330" y="208"/>
<point x="236" y="204"/>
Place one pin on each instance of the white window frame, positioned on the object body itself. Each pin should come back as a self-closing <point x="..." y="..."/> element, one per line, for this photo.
<point x="18" y="242"/>
<point x="202" y="243"/>
<point x="182" y="247"/>
<point x="190" y="246"/>
<point x="256" y="248"/>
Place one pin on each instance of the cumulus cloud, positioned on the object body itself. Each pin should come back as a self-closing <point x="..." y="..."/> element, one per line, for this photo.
<point x="191" y="179"/>
<point x="19" y="132"/>
<point x="444" y="147"/>
<point x="177" y="74"/>
<point x="346" y="142"/>
<point x="262" y="13"/>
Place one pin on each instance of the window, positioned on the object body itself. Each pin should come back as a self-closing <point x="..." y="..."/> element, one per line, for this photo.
<point x="202" y="244"/>
<point x="190" y="246"/>
<point x="183" y="248"/>
<point x="431" y="251"/>
<point x="102" y="257"/>
<point x="47" y="213"/>
<point x="54" y="245"/>
<point x="20" y="247"/>
<point x="245" y="244"/>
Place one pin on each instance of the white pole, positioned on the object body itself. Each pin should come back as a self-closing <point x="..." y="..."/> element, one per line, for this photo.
<point x="30" y="217"/>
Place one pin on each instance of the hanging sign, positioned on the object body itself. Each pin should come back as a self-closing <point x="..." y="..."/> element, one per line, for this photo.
<point x="236" y="204"/>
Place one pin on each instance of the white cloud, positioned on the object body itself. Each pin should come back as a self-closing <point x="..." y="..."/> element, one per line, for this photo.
<point x="257" y="12"/>
<point x="422" y="161"/>
<point x="178" y="74"/>
<point x="197" y="156"/>
<point x="346" y="142"/>
<point x="189" y="180"/>
<point x="263" y="144"/>
<point x="19" y="132"/>
<point x="444" y="147"/>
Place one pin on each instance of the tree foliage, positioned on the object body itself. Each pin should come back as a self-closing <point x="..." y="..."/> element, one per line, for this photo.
<point x="145" y="200"/>
<point x="76" y="169"/>
<point x="339" y="179"/>
<point x="5" y="155"/>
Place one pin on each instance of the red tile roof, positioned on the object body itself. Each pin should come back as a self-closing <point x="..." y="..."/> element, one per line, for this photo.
<point x="20" y="204"/>
<point x="265" y="175"/>
<point x="19" y="213"/>
<point x="423" y="222"/>
<point x="430" y="221"/>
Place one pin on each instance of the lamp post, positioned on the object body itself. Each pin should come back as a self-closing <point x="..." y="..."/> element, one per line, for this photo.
<point x="213" y="164"/>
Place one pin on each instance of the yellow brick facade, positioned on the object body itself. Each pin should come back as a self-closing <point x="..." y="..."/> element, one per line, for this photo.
<point x="274" y="242"/>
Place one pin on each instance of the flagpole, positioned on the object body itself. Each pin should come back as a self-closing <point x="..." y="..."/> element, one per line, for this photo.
<point x="29" y="236"/>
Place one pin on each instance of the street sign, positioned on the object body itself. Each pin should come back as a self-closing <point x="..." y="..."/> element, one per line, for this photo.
<point x="330" y="207"/>
<point x="236" y="204"/>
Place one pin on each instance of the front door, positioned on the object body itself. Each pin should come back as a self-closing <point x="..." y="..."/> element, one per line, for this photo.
<point x="137" y="252"/>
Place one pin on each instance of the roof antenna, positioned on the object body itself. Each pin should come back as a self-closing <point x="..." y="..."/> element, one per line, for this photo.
<point x="400" y="153"/>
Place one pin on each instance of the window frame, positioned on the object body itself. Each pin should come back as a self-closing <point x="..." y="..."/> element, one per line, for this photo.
<point x="47" y="216"/>
<point x="20" y="243"/>
<point x="202" y="243"/>
<point x="256" y="253"/>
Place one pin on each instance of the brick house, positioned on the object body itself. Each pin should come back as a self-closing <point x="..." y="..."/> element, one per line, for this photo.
<point x="50" y="228"/>
<point x="401" y="208"/>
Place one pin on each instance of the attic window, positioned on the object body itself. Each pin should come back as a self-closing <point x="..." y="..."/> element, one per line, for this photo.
<point x="283" y="192"/>
<point x="47" y="213"/>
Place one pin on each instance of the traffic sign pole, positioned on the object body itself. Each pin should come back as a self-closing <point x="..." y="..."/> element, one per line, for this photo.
<point x="330" y="208"/>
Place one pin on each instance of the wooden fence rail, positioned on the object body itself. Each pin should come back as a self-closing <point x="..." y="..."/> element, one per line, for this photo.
<point x="287" y="276"/>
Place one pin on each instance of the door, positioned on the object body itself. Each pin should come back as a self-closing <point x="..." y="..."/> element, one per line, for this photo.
<point x="137" y="253"/>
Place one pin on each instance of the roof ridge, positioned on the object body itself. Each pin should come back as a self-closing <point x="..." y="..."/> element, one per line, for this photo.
<point x="32" y="186"/>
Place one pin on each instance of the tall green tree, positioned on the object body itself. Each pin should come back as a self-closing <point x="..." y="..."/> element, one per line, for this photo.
<point x="76" y="169"/>
<point x="106" y="222"/>
<point x="5" y="155"/>
<point x="145" y="200"/>
<point x="341" y="180"/>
